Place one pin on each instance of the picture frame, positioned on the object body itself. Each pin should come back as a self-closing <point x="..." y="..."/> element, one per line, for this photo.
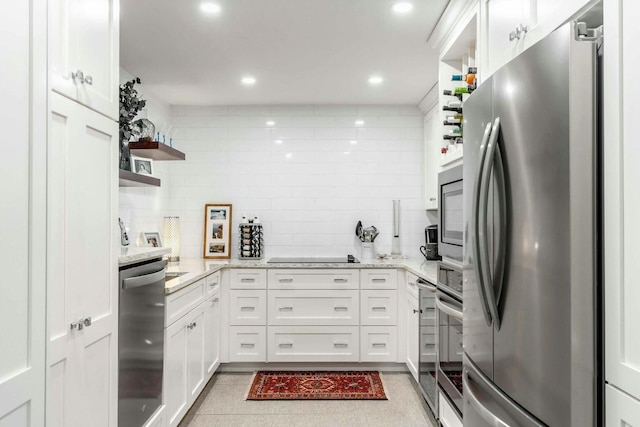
<point x="217" y="231"/>
<point x="151" y="238"/>
<point x="142" y="165"/>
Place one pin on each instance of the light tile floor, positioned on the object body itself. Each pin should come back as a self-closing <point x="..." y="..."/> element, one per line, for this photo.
<point x="222" y="403"/>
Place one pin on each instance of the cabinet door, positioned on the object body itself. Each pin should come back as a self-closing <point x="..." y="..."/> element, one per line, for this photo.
<point x="621" y="201"/>
<point x="413" y="337"/>
<point x="82" y="213"/>
<point x="23" y="116"/>
<point x="211" y="335"/>
<point x="195" y="354"/>
<point x="84" y="37"/>
<point x="175" y="371"/>
<point x="621" y="409"/>
<point x="432" y="145"/>
<point x="501" y="17"/>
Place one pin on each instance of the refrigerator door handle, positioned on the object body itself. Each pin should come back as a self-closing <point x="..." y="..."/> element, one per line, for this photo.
<point x="482" y="224"/>
<point x="486" y="414"/>
<point x="475" y="218"/>
<point x="448" y="309"/>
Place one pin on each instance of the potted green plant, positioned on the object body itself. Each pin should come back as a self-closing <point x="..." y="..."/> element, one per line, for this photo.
<point x="130" y="105"/>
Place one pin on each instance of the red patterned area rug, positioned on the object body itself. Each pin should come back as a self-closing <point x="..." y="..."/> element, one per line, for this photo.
<point x="318" y="385"/>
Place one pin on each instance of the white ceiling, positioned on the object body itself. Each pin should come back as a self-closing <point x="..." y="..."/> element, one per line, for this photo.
<point x="300" y="51"/>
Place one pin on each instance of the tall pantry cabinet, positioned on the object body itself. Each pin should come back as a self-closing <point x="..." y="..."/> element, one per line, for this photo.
<point x="23" y="116"/>
<point x="621" y="212"/>
<point x="82" y="210"/>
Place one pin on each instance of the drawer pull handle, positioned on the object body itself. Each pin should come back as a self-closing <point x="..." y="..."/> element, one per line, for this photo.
<point x="340" y="280"/>
<point x="212" y="284"/>
<point x="247" y="280"/>
<point x="379" y="280"/>
<point x="247" y="345"/>
<point x="341" y="308"/>
<point x="247" y="309"/>
<point x="379" y="308"/>
<point x="340" y="345"/>
<point x="379" y="344"/>
<point x="285" y="345"/>
<point x="289" y="280"/>
<point x="286" y="309"/>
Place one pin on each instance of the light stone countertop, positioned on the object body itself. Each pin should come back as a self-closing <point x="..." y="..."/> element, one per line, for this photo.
<point x="133" y="254"/>
<point x="197" y="268"/>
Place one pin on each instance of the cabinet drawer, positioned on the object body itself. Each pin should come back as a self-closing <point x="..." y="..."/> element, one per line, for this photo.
<point x="379" y="279"/>
<point x="247" y="344"/>
<point x="378" y="343"/>
<point x="314" y="279"/>
<point x="246" y="278"/>
<point x="378" y="307"/>
<point x="212" y="283"/>
<point x="247" y="307"/>
<point x="412" y="287"/>
<point x="313" y="344"/>
<point x="448" y="416"/>
<point x="455" y="343"/>
<point x="180" y="303"/>
<point x="316" y="307"/>
<point x="428" y="345"/>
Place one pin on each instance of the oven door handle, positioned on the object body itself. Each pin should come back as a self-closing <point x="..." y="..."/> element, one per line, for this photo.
<point x="423" y="284"/>
<point x="485" y="413"/>
<point x="147" y="279"/>
<point x="448" y="309"/>
<point x="475" y="239"/>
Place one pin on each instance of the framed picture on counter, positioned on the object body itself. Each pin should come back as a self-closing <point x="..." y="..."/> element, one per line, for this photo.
<point x="151" y="239"/>
<point x="217" y="231"/>
<point x="142" y="165"/>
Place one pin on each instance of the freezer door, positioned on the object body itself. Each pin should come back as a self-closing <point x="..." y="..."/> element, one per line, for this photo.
<point x="486" y="406"/>
<point x="477" y="329"/>
<point x="544" y="353"/>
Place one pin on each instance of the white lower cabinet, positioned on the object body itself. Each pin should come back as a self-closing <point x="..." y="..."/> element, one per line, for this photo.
<point x="313" y="307"/>
<point x="192" y="354"/>
<point x="378" y="343"/>
<point x="413" y="335"/>
<point x="447" y="415"/>
<point x="313" y="344"/>
<point x="247" y="307"/>
<point x="247" y="344"/>
<point x="378" y="307"/>
<point x="621" y="409"/>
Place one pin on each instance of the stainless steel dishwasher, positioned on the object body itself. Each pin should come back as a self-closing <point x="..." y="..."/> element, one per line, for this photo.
<point x="141" y="341"/>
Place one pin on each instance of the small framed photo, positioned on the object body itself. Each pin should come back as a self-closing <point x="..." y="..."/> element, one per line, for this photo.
<point x="142" y="165"/>
<point x="217" y="231"/>
<point x="151" y="239"/>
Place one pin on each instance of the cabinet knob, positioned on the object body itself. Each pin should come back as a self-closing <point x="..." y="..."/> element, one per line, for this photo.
<point x="518" y="32"/>
<point x="87" y="321"/>
<point x="432" y="199"/>
<point x="79" y="77"/>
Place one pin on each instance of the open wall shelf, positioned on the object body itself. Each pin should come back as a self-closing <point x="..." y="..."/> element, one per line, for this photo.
<point x="131" y="179"/>
<point x="155" y="150"/>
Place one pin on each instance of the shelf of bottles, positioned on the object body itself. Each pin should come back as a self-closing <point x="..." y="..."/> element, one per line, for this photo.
<point x="251" y="245"/>
<point x="455" y="92"/>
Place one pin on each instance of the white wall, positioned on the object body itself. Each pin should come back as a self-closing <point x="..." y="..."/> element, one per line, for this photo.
<point x="311" y="189"/>
<point x="142" y="209"/>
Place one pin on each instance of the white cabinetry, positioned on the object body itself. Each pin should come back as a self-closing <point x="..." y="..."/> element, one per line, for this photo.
<point x="413" y="335"/>
<point x="247" y="315"/>
<point x="432" y="146"/>
<point x="448" y="417"/>
<point x="23" y="112"/>
<point x="621" y="409"/>
<point x="82" y="284"/>
<point x="622" y="206"/>
<point x="508" y="27"/>
<point x="84" y="52"/>
<point x="192" y="350"/>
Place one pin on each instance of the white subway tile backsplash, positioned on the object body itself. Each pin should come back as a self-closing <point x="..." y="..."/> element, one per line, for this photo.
<point x="309" y="190"/>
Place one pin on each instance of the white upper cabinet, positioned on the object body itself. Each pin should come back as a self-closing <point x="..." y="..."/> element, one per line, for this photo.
<point x="508" y="27"/>
<point x="432" y="144"/>
<point x="84" y="52"/>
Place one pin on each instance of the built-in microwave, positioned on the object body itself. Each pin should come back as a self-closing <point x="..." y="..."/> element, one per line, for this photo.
<point x="450" y="217"/>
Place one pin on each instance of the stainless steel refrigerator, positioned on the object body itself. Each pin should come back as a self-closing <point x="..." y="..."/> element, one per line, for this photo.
<point x="531" y="207"/>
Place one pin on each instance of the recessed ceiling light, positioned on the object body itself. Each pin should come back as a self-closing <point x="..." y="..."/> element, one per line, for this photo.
<point x="278" y="141"/>
<point x="375" y="80"/>
<point x="271" y="123"/>
<point x="402" y="7"/>
<point x="353" y="142"/>
<point x="359" y="122"/>
<point x="346" y="152"/>
<point x="248" y="81"/>
<point x="288" y="155"/>
<point x="211" y="8"/>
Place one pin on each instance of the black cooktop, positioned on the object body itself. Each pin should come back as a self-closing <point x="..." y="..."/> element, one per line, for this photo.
<point x="314" y="260"/>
